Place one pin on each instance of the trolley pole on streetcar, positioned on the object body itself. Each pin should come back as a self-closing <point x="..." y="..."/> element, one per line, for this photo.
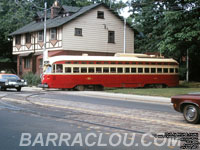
<point x="45" y="51"/>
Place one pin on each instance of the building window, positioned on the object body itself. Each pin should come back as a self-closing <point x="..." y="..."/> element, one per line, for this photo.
<point x="111" y="36"/>
<point x="28" y="38"/>
<point x="18" y="39"/>
<point x="100" y="14"/>
<point x="27" y="63"/>
<point x="40" y="36"/>
<point x="78" y="32"/>
<point x="41" y="63"/>
<point x="53" y="34"/>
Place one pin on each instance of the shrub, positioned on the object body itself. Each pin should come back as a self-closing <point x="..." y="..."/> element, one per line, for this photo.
<point x="32" y="79"/>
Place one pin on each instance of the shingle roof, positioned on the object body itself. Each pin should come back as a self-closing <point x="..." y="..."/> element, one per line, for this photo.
<point x="58" y="21"/>
<point x="70" y="8"/>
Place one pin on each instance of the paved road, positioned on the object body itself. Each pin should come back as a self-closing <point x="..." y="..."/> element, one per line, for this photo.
<point x="16" y="121"/>
<point x="109" y="102"/>
<point x="62" y="111"/>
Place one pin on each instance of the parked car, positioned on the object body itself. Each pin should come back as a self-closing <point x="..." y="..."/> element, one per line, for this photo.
<point x="11" y="81"/>
<point x="189" y="105"/>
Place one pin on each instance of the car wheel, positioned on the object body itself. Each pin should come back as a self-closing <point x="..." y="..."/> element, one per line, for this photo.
<point x="18" y="89"/>
<point x="191" y="114"/>
<point x="3" y="89"/>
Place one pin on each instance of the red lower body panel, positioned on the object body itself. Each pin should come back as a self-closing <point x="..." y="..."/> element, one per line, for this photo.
<point x="70" y="81"/>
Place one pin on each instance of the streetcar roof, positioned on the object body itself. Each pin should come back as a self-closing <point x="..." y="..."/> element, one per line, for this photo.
<point x="107" y="58"/>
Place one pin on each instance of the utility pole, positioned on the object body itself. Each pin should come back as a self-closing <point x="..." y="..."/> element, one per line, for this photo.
<point x="187" y="66"/>
<point x="45" y="51"/>
<point x="124" y="35"/>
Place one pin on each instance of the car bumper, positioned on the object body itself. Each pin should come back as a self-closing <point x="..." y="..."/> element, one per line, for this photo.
<point x="13" y="85"/>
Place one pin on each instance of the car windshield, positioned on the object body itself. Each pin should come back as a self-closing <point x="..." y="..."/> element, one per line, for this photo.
<point x="10" y="77"/>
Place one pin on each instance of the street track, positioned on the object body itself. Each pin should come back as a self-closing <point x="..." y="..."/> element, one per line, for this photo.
<point x="26" y="98"/>
<point x="70" y="114"/>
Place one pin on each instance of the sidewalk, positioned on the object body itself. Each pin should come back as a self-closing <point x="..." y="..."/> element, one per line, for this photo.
<point x="127" y="97"/>
<point x="114" y="96"/>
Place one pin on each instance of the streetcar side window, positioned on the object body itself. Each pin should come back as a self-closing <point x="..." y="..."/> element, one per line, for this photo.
<point x="133" y="70"/>
<point x="91" y="70"/>
<point x="75" y="70"/>
<point x="59" y="68"/>
<point x="105" y="70"/>
<point x="165" y="70"/>
<point x="119" y="70"/>
<point x="68" y="70"/>
<point x="98" y="70"/>
<point x="146" y="70"/>
<point x="83" y="70"/>
<point x="159" y="70"/>
<point x="171" y="70"/>
<point x="113" y="70"/>
<point x="140" y="70"/>
<point x="127" y="70"/>
<point x="153" y="70"/>
<point x="176" y="70"/>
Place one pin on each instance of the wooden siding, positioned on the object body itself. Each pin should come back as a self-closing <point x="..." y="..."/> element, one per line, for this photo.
<point x="51" y="45"/>
<point x="95" y="33"/>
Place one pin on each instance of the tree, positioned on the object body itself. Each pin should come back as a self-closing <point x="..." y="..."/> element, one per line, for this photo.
<point x="171" y="27"/>
<point x="12" y="16"/>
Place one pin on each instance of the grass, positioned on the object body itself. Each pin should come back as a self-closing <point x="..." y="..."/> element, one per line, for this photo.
<point x="183" y="88"/>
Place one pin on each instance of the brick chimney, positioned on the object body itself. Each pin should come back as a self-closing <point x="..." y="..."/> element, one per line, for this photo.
<point x="55" y="9"/>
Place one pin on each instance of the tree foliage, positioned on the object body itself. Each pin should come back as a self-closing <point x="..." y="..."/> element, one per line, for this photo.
<point x="170" y="27"/>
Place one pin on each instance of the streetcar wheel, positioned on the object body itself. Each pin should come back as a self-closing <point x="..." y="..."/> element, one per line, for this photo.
<point x="191" y="114"/>
<point x="98" y="88"/>
<point x="80" y="87"/>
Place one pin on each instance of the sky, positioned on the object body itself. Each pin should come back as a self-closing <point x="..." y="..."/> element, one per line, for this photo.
<point x="125" y="12"/>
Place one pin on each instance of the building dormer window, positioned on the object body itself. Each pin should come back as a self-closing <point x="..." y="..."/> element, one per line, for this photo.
<point x="78" y="31"/>
<point x="100" y="14"/>
<point x="18" y="40"/>
<point x="53" y="34"/>
<point x="28" y="38"/>
<point x="40" y="36"/>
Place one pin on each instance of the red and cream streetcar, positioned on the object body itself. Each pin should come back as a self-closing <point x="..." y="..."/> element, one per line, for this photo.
<point x="121" y="70"/>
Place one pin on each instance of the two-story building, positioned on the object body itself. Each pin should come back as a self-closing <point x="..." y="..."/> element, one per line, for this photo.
<point x="93" y="29"/>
